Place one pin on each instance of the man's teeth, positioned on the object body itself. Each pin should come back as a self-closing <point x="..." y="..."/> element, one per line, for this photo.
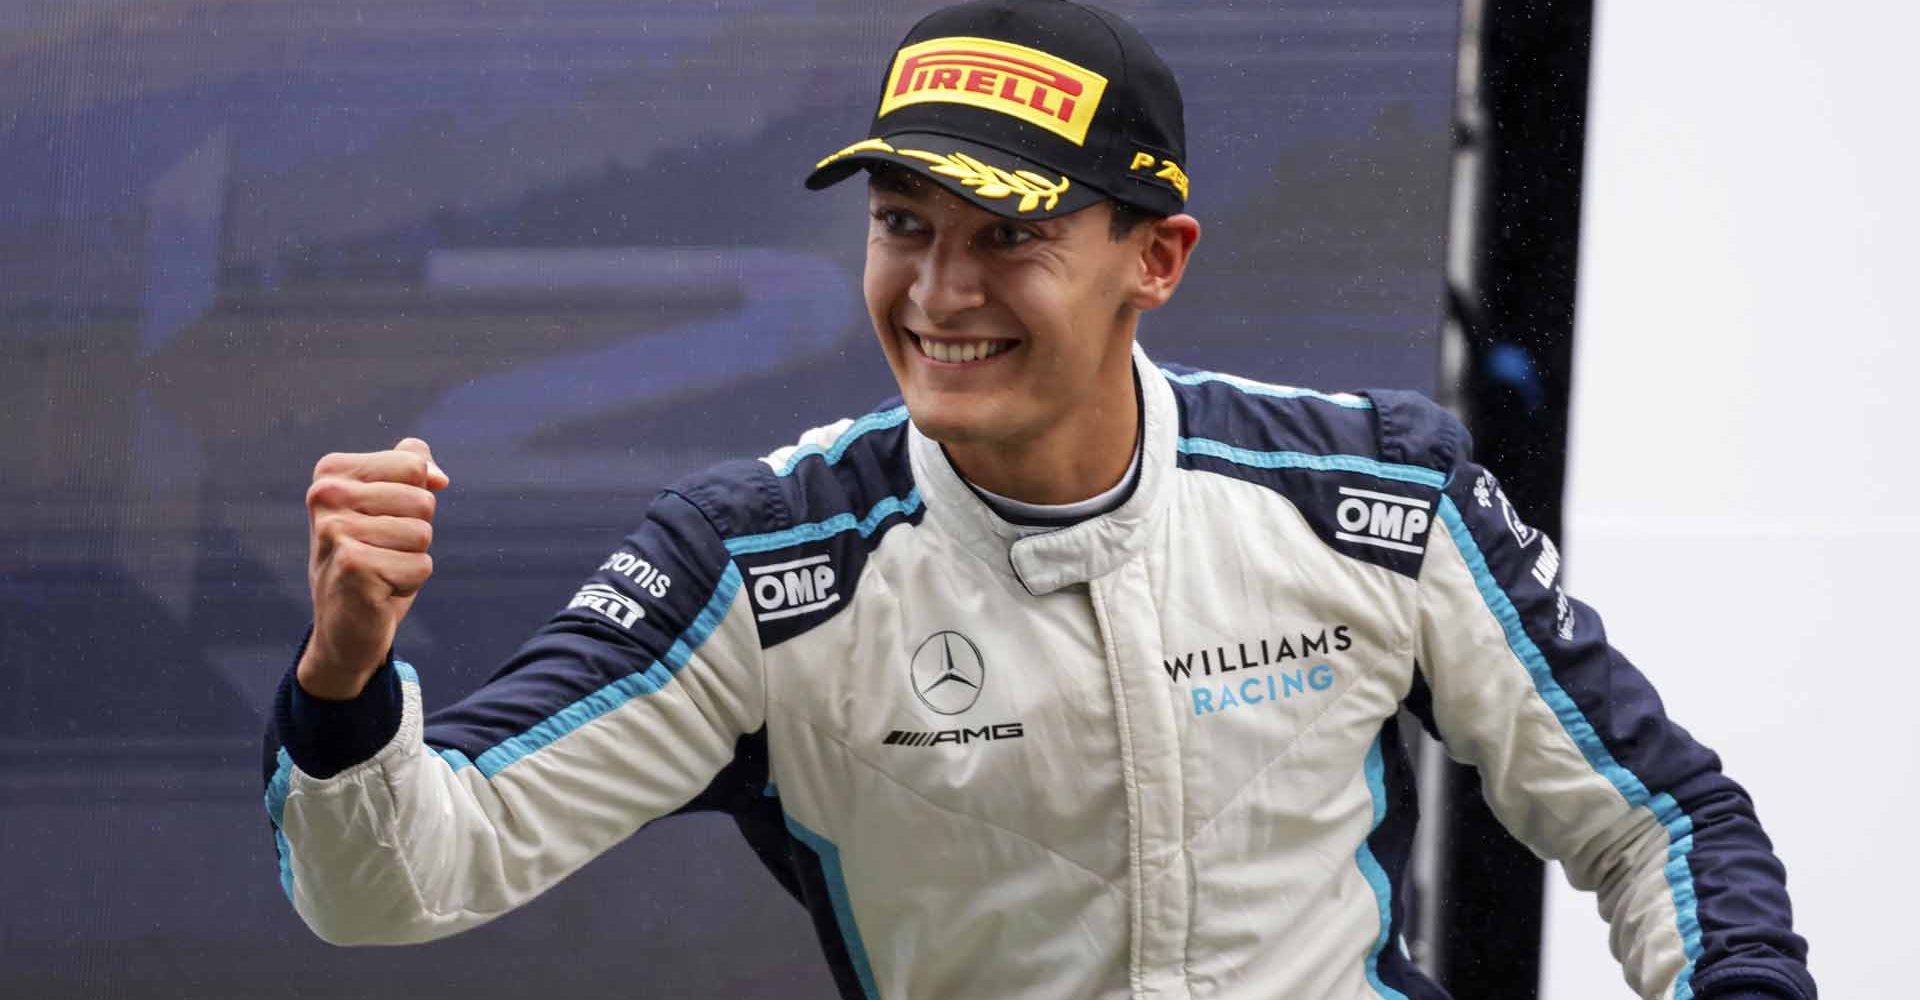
<point x="960" y="352"/>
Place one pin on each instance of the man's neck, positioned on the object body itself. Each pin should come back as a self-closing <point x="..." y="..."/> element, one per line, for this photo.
<point x="1076" y="460"/>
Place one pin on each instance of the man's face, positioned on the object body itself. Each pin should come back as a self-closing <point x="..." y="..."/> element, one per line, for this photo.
<point x="998" y="330"/>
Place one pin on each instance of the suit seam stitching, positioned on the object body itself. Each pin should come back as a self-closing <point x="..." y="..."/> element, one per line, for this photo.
<point x="1105" y="884"/>
<point x="766" y="692"/>
<point x="1281" y="755"/>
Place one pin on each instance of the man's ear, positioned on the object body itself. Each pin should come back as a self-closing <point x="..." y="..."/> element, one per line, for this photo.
<point x="1164" y="246"/>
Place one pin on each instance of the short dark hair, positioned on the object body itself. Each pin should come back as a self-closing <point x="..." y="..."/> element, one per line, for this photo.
<point x="1127" y="218"/>
<point x="892" y="178"/>
<point x="896" y="179"/>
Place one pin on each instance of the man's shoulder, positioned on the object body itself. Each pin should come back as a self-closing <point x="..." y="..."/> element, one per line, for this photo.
<point x="801" y="522"/>
<point x="1221" y="412"/>
<point x="850" y="470"/>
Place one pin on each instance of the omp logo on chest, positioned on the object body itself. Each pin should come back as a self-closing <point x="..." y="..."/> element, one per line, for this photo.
<point x="1383" y="520"/>
<point x="792" y="588"/>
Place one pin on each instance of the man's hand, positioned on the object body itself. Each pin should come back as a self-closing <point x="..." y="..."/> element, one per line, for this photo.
<point x="370" y="523"/>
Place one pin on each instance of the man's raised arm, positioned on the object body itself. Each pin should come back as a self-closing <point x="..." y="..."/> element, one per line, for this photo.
<point x="395" y="828"/>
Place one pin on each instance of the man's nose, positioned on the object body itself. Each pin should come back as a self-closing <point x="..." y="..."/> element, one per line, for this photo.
<point x="949" y="282"/>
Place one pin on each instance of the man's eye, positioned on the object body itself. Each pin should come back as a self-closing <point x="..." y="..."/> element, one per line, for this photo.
<point x="897" y="222"/>
<point x="1008" y="234"/>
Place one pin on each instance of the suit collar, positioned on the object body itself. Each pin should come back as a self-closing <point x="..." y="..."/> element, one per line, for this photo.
<point x="1078" y="554"/>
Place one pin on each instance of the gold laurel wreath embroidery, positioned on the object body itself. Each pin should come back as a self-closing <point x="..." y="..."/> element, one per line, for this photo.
<point x="986" y="180"/>
<point x="989" y="181"/>
<point x="862" y="146"/>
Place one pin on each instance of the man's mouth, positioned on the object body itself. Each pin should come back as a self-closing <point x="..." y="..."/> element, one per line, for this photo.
<point x="960" y="351"/>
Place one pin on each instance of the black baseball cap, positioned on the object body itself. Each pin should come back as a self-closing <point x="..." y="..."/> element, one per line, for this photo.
<point x="1029" y="109"/>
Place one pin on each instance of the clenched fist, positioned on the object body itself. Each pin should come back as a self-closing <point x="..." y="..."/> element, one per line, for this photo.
<point x="370" y="523"/>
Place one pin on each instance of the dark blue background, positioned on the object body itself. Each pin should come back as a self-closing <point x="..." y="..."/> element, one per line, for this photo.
<point x="567" y="242"/>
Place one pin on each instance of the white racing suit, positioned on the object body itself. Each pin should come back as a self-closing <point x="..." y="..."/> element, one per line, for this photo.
<point x="1154" y="754"/>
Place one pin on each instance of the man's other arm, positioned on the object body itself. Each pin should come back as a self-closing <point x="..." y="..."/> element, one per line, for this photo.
<point x="1577" y="755"/>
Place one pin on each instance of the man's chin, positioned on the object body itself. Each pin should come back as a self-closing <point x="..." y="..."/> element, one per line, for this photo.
<point x="958" y="425"/>
<point x="948" y="431"/>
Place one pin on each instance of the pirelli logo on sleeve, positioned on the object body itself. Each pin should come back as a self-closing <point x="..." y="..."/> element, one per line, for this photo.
<point x="1014" y="80"/>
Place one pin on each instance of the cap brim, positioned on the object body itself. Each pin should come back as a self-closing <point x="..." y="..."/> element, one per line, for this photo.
<point x="994" y="179"/>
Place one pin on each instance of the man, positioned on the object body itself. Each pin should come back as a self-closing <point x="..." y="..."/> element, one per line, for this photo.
<point x="1074" y="676"/>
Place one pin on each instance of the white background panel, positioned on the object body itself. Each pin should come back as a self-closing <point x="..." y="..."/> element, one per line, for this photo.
<point x="1741" y="505"/>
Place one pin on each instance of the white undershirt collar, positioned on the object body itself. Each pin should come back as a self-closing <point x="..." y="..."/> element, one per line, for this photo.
<point x="1037" y="518"/>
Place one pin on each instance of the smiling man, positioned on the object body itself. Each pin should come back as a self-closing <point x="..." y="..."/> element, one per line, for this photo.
<point x="1012" y="339"/>
<point x="1073" y="676"/>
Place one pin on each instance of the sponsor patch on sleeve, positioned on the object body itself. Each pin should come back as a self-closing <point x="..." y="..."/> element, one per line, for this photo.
<point x="607" y="592"/>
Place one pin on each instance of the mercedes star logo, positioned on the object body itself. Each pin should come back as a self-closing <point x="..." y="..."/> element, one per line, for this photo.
<point x="948" y="672"/>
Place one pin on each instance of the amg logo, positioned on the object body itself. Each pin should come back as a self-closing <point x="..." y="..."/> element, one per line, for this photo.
<point x="1388" y="520"/>
<point x="913" y="738"/>
<point x="786" y="589"/>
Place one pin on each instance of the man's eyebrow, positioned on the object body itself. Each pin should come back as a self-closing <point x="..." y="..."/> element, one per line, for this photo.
<point x="896" y="180"/>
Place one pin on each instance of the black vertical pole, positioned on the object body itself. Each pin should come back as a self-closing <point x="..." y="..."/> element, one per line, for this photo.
<point x="1523" y="118"/>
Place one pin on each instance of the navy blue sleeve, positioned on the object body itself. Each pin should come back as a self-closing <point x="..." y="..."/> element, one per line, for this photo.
<point x="636" y="699"/>
<point x="1727" y="887"/>
<point x="326" y="737"/>
<point x="632" y="624"/>
<point x="628" y="630"/>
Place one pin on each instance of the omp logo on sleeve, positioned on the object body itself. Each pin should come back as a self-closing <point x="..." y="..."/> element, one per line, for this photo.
<point x="618" y="607"/>
<point x="788" y="589"/>
<point x="1386" y="520"/>
<point x="1014" y="80"/>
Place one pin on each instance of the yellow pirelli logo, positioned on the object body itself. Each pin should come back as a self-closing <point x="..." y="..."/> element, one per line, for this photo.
<point x="1014" y="80"/>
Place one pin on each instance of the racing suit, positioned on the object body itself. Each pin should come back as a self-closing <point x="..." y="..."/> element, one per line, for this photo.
<point x="1153" y="754"/>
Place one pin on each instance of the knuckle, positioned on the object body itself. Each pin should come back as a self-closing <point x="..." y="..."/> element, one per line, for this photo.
<point x="329" y="493"/>
<point x="411" y="574"/>
<point x="424" y="504"/>
<point x="327" y="527"/>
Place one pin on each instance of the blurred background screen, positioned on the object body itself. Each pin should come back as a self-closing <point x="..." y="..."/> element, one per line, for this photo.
<point x="565" y="242"/>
